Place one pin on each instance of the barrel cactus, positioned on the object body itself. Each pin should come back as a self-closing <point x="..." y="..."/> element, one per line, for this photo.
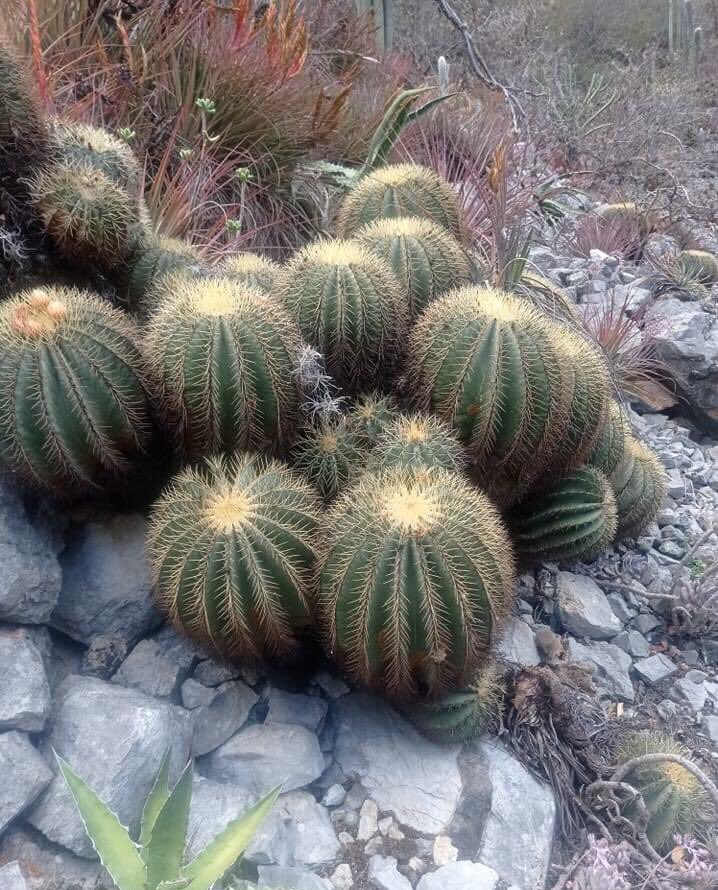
<point x="400" y="190"/>
<point x="427" y="260"/>
<point x="226" y="357"/>
<point x="608" y="451"/>
<point x="700" y="265"/>
<point x="232" y="549"/>
<point x="639" y="483"/>
<point x="415" y="577"/>
<point x="418" y="441"/>
<point x="151" y="263"/>
<point x="371" y="414"/>
<point x="488" y="364"/>
<point x="330" y="456"/>
<point x="252" y="269"/>
<point x="74" y="391"/>
<point x="548" y="297"/>
<point x="574" y="519"/>
<point x="349" y="305"/>
<point x="86" y="146"/>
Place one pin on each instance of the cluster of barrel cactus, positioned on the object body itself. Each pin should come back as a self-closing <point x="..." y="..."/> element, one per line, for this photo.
<point x="461" y="430"/>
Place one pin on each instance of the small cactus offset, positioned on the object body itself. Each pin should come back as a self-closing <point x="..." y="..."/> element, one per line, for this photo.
<point x="414" y="581"/>
<point x="418" y="442"/>
<point x="225" y="356"/>
<point x="574" y="519"/>
<point x="399" y="190"/>
<point x="427" y="260"/>
<point x="151" y="264"/>
<point x="371" y="415"/>
<point x="74" y="391"/>
<point x="348" y="304"/>
<point x="699" y="264"/>
<point x="608" y="451"/>
<point x="232" y="548"/>
<point x="81" y="145"/>
<point x="330" y="456"/>
<point x="252" y="269"/>
<point x="639" y="483"/>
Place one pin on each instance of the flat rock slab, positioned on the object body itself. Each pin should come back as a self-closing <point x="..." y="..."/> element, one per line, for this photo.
<point x="24" y="775"/>
<point x="302" y="710"/>
<point x="115" y="739"/>
<point x="24" y="690"/>
<point x="655" y="669"/>
<point x="610" y="667"/>
<point x="584" y="609"/>
<point x="221" y="717"/>
<point x="460" y="876"/>
<point x="517" y="644"/>
<point x="408" y="776"/>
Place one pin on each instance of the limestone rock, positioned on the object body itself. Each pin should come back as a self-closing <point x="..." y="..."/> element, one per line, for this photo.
<point x="296" y="878"/>
<point x="655" y="669"/>
<point x="222" y="717"/>
<point x="610" y="667"/>
<point x="24" y="775"/>
<point x="300" y="710"/>
<point x="11" y="878"/>
<point x="460" y="876"/>
<point x="24" y="690"/>
<point x="517" y="644"/>
<point x="584" y="609"/>
<point x="384" y="875"/>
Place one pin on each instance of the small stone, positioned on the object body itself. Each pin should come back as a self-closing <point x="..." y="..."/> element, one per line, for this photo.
<point x="384" y="875"/>
<point x="710" y="725"/>
<point x="461" y="876"/>
<point x="374" y="845"/>
<point x="646" y="622"/>
<point x="672" y="549"/>
<point x="11" y="878"/>
<point x="334" y="687"/>
<point x="517" y="645"/>
<point x="225" y="714"/>
<point x="194" y="694"/>
<point x="311" y="839"/>
<point x="104" y="656"/>
<point x="690" y="692"/>
<point x="620" y="607"/>
<point x="611" y="666"/>
<point x="24" y="775"/>
<point x="24" y="690"/>
<point x="355" y="796"/>
<point x="334" y="796"/>
<point x="655" y="669"/>
<point x="147" y="670"/>
<point x="345" y="839"/>
<point x="676" y="487"/>
<point x="301" y="710"/>
<point x="444" y="851"/>
<point x="342" y="878"/>
<point x="632" y="642"/>
<point x="368" y="820"/>
<point x="384" y="825"/>
<point x="418" y="866"/>
<point x="583" y="608"/>
<point x="395" y="833"/>
<point x="212" y="673"/>
<point x="296" y="878"/>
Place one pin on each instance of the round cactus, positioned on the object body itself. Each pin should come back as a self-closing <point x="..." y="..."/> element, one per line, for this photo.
<point x="400" y="190"/>
<point x="89" y="218"/>
<point x="427" y="260"/>
<point x="330" y="456"/>
<point x="676" y="801"/>
<point x="152" y="263"/>
<point x="608" y="451"/>
<point x="74" y="392"/>
<point x="349" y="305"/>
<point x="232" y="548"/>
<point x="226" y="357"/>
<point x="415" y="578"/>
<point x="574" y="519"/>
<point x="370" y="416"/>
<point x="418" y="442"/>
<point x="488" y="364"/>
<point x="548" y="297"/>
<point x="699" y="265"/>
<point x="639" y="484"/>
<point x="460" y="716"/>
<point x="92" y="147"/>
<point x="252" y="269"/>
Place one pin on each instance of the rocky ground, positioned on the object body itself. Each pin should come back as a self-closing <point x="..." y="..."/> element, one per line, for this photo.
<point x="88" y="670"/>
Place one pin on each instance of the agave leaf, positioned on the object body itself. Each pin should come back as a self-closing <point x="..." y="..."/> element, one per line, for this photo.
<point x="111" y="840"/>
<point x="156" y="800"/>
<point x="428" y="106"/>
<point x="165" y="852"/>
<point x="209" y="865"/>
<point x="393" y="122"/>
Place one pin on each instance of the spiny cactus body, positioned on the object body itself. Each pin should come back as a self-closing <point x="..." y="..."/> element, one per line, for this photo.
<point x="427" y="260"/>
<point x="232" y="548"/>
<point x="415" y="578"/>
<point x="639" y="483"/>
<point x="488" y="364"/>
<point x="400" y="190"/>
<point x="371" y="415"/>
<point x="330" y="456"/>
<point x="149" y="266"/>
<point x="548" y="297"/>
<point x="86" y="146"/>
<point x="349" y="305"/>
<point x="225" y="356"/>
<point x="574" y="519"/>
<point x="608" y="451"/>
<point x="700" y="265"/>
<point x="252" y="269"/>
<point x="418" y="442"/>
<point x="74" y="391"/>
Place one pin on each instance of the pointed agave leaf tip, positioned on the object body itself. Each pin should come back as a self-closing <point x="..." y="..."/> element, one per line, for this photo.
<point x="165" y="853"/>
<point x="155" y="801"/>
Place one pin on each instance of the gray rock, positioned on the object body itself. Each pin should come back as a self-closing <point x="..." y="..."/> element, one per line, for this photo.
<point x="104" y="656"/>
<point x="49" y="867"/>
<point x="384" y="875"/>
<point x="212" y="673"/>
<point x="368" y="820"/>
<point x="518" y="835"/>
<point x="632" y="642"/>
<point x="332" y="685"/>
<point x="646" y="622"/>
<point x="300" y="710"/>
<point x="655" y="669"/>
<point x="115" y="739"/>
<point x="31" y="576"/>
<point x="310" y="837"/>
<point x="148" y="670"/>
<point x="24" y="690"/>
<point x="342" y="878"/>
<point x="583" y="608"/>
<point x="517" y="645"/>
<point x="404" y="773"/>
<point x="690" y="691"/>
<point x="296" y="878"/>
<point x="194" y="694"/>
<point x="225" y="714"/>
<point x="620" y="607"/>
<point x="610" y="667"/>
<point x="259" y="757"/>
<point x="460" y="876"/>
<point x="334" y="796"/>
<point x="467" y="826"/>
<point x="105" y="582"/>
<point x="24" y="775"/>
<point x="710" y="725"/>
<point x="11" y="878"/>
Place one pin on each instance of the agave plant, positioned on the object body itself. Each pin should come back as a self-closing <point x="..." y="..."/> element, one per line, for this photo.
<point x="157" y="861"/>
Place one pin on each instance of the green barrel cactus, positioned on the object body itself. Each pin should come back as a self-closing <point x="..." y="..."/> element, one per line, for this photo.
<point x="639" y="484"/>
<point x="675" y="799"/>
<point x="415" y="578"/>
<point x="400" y="190"/>
<point x="548" y="297"/>
<point x="74" y="391"/>
<point x="82" y="145"/>
<point x="608" y="451"/>
<point x="232" y="548"/>
<point x="418" y="442"/>
<point x="225" y="357"/>
<point x="330" y="456"/>
<point x="458" y="717"/>
<point x="252" y="269"/>
<point x="699" y="265"/>
<point x="574" y="519"/>
<point x="427" y="260"/>
<point x="151" y="263"/>
<point x="370" y="416"/>
<point x="488" y="364"/>
<point x="89" y="218"/>
<point x="348" y="304"/>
